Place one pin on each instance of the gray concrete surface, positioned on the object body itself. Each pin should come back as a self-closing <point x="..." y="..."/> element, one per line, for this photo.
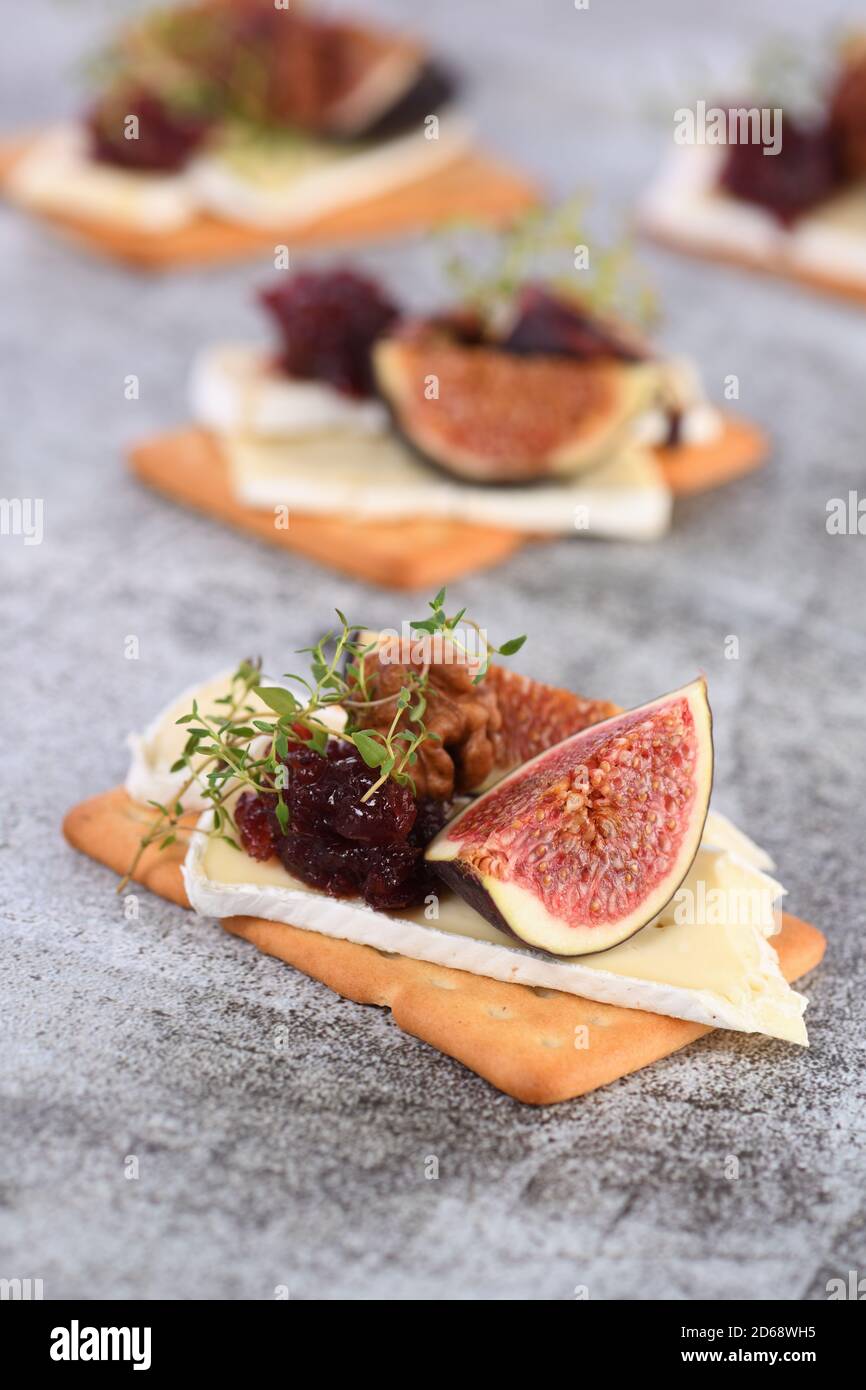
<point x="155" y="1038"/>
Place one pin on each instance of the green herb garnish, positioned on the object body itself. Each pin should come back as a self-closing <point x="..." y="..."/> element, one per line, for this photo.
<point x="219" y="756"/>
<point x="551" y="246"/>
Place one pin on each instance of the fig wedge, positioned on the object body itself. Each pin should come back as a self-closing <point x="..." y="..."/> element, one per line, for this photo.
<point x="583" y="845"/>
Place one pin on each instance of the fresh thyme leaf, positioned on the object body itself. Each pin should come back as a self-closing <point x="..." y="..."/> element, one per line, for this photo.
<point x="282" y="701"/>
<point x="372" y="750"/>
<point x="543" y="246"/>
<point x="511" y="646"/>
<point x="318" y="740"/>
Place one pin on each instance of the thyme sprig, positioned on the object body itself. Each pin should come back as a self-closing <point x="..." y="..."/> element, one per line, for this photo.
<point x="542" y="245"/>
<point x="244" y="747"/>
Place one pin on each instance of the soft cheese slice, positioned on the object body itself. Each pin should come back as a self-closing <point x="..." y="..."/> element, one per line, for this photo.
<point x="235" y="388"/>
<point x="57" y="175"/>
<point x="155" y="751"/>
<point x="685" y="964"/>
<point x="721" y="833"/>
<point x="380" y="478"/>
<point x="686" y="206"/>
<point x="294" y="179"/>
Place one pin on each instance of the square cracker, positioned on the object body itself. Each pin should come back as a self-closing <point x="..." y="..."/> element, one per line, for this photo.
<point x="518" y="1037"/>
<point x="407" y="553"/>
<point x="470" y="186"/>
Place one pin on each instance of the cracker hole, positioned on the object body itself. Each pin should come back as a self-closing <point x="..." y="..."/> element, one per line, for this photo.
<point x="499" y="1011"/>
<point x="552" y="1042"/>
<point x="440" y="984"/>
<point x="598" y="1021"/>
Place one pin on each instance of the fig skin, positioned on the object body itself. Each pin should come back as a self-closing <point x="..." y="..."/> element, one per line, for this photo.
<point x="527" y="906"/>
<point x="433" y="89"/>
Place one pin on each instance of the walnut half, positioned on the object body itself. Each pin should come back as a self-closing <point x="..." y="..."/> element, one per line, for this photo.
<point x="465" y="716"/>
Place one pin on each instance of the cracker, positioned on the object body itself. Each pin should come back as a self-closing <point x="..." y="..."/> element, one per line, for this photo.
<point x="739" y="449"/>
<point x="406" y="554"/>
<point x="471" y="186"/>
<point x="854" y="291"/>
<point x="519" y="1038"/>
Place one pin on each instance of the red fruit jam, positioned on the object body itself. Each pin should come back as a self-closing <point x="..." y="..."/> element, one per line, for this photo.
<point x="338" y="843"/>
<point x="328" y="323"/>
<point x="167" y="135"/>
<point x="801" y="175"/>
<point x="548" y="324"/>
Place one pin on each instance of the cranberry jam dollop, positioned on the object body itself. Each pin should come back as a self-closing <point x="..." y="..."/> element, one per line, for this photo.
<point x="804" y="172"/>
<point x="547" y="323"/>
<point x="338" y="843"/>
<point x="328" y="323"/>
<point x="167" y="135"/>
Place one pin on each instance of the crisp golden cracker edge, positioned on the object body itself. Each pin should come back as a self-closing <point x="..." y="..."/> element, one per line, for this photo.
<point x="471" y="185"/>
<point x="411" y="553"/>
<point x="740" y="449"/>
<point x="519" y="1038"/>
<point x="852" y="291"/>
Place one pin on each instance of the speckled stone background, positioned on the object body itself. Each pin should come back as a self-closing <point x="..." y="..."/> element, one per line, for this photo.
<point x="155" y="1038"/>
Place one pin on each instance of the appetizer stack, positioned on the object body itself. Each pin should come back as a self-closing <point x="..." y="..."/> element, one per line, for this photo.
<point x="419" y="827"/>
<point x="226" y="124"/>
<point x="408" y="450"/>
<point x="779" y="188"/>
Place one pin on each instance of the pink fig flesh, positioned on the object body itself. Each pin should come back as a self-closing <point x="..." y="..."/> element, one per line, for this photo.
<point x="583" y="845"/>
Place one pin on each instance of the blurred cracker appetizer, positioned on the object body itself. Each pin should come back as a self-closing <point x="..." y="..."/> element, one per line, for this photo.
<point x="503" y="863"/>
<point x="529" y="411"/>
<point x="789" y="196"/>
<point x="222" y="123"/>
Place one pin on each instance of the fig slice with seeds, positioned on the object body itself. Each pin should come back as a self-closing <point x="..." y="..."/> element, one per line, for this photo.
<point x="583" y="845"/>
<point x="486" y="415"/>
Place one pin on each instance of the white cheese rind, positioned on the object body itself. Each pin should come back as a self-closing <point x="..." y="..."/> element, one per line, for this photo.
<point x="153" y="752"/>
<point x="235" y="389"/>
<point x="57" y="175"/>
<point x="753" y="995"/>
